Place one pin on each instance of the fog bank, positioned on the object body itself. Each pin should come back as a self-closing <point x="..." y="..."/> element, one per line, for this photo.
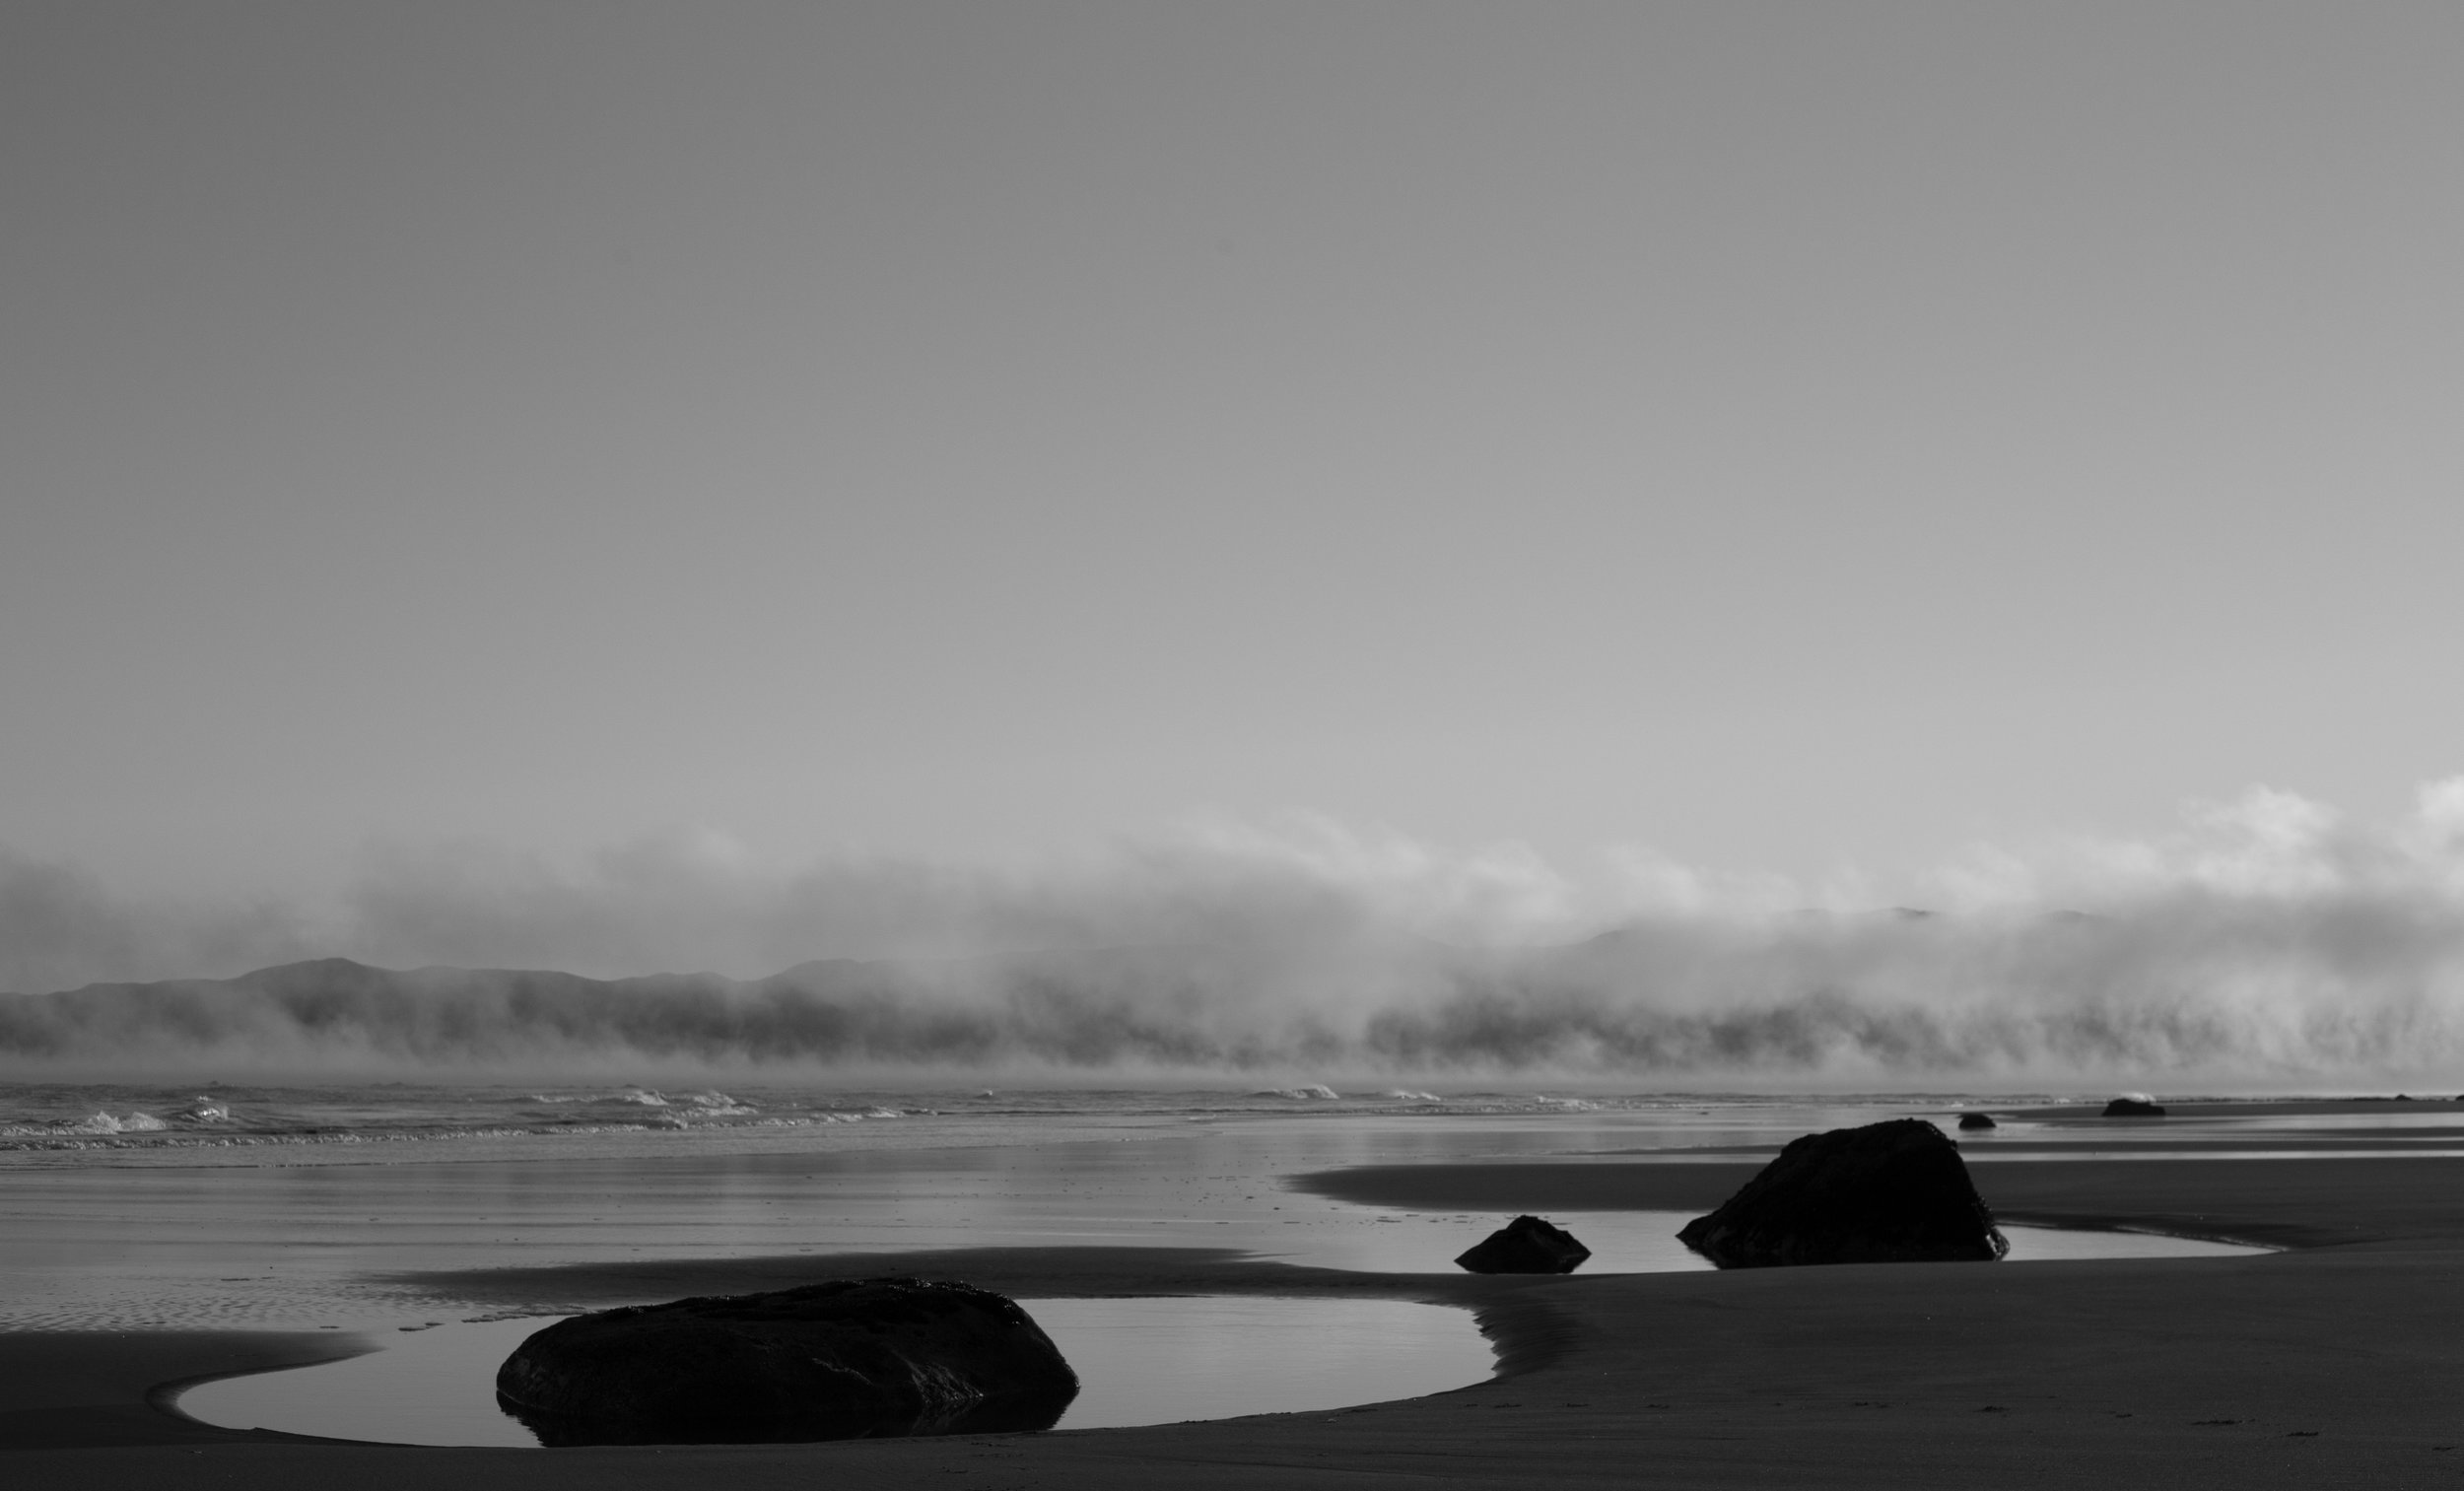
<point x="2264" y="940"/>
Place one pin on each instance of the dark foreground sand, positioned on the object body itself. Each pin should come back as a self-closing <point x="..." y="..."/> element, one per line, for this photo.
<point x="2339" y="1362"/>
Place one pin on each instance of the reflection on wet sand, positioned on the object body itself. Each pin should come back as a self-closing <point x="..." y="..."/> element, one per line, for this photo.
<point x="1140" y="1361"/>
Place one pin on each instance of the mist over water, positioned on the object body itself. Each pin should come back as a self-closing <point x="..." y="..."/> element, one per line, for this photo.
<point x="2268" y="940"/>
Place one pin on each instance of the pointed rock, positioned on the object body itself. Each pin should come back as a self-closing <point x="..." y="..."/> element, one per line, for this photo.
<point x="1526" y="1244"/>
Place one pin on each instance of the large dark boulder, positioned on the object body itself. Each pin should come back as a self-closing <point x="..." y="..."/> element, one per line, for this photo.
<point x="1526" y="1244"/>
<point x="844" y="1360"/>
<point x="2133" y="1108"/>
<point x="1893" y="1193"/>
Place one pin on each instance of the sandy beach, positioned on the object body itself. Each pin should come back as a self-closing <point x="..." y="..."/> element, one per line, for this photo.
<point x="2329" y="1361"/>
<point x="1180" y="660"/>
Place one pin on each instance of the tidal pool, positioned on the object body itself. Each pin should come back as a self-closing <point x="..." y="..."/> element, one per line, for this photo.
<point x="1140" y="1361"/>
<point x="1645" y="1242"/>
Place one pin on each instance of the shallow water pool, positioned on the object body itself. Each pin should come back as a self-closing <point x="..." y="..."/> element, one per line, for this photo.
<point x="1140" y="1361"/>
<point x="1645" y="1242"/>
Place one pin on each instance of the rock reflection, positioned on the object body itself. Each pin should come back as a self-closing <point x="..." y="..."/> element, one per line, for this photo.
<point x="1014" y="1414"/>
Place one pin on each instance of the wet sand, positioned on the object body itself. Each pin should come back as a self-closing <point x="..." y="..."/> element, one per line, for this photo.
<point x="2334" y="1362"/>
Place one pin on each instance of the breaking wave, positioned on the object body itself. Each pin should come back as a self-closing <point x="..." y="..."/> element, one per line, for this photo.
<point x="99" y="1124"/>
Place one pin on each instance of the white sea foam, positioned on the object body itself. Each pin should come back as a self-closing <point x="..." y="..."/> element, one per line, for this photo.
<point x="97" y="1123"/>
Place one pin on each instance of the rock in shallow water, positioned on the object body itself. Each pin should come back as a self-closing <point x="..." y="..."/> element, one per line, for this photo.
<point x="1977" y="1121"/>
<point x="1889" y="1193"/>
<point x="2133" y="1108"/>
<point x="844" y="1360"/>
<point x="1526" y="1244"/>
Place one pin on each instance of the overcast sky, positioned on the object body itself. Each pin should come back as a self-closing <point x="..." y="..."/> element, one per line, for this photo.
<point x="1780" y="435"/>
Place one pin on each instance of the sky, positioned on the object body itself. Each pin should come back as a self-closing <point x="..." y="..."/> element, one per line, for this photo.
<point x="1799" y="445"/>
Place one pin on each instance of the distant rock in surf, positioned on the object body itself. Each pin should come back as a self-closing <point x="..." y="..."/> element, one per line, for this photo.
<point x="844" y="1360"/>
<point x="1977" y="1121"/>
<point x="2133" y="1108"/>
<point x="1889" y="1193"/>
<point x="1526" y="1244"/>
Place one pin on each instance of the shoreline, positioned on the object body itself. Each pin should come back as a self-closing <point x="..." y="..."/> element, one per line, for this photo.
<point x="2328" y="1360"/>
<point x="2324" y="1201"/>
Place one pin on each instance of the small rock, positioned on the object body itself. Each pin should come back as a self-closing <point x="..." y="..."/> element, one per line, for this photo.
<point x="2133" y="1108"/>
<point x="1526" y="1244"/>
<point x="1977" y="1121"/>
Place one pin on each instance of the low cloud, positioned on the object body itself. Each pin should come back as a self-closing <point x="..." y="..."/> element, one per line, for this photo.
<point x="2266" y="939"/>
<point x="61" y="926"/>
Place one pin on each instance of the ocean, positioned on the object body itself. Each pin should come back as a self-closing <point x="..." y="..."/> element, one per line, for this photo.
<point x="341" y="1208"/>
<point x="133" y="1123"/>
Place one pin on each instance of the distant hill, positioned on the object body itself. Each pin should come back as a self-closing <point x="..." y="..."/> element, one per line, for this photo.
<point x="1855" y="995"/>
<point x="1098" y="1008"/>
